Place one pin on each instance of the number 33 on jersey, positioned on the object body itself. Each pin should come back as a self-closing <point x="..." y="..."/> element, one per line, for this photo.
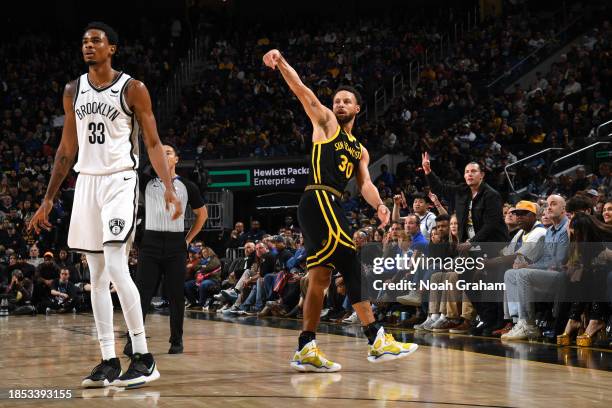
<point x="106" y="128"/>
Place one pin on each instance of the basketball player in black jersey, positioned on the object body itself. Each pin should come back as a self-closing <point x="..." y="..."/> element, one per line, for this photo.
<point x="337" y="156"/>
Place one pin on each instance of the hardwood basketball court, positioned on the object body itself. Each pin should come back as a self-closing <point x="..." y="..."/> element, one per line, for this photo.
<point x="243" y="362"/>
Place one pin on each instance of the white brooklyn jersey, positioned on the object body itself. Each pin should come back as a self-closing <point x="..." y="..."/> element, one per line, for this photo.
<point x="107" y="130"/>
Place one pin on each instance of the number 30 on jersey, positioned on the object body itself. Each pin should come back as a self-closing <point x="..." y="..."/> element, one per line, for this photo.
<point x="345" y="166"/>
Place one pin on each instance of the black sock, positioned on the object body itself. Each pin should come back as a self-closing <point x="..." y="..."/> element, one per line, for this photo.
<point x="305" y="338"/>
<point x="371" y="330"/>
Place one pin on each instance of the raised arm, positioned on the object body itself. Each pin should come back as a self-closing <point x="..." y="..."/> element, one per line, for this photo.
<point x="139" y="100"/>
<point x="64" y="159"/>
<point x="369" y="190"/>
<point x="438" y="187"/>
<point x="323" y="120"/>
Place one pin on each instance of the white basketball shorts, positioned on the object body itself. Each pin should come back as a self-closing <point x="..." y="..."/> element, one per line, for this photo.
<point x="103" y="211"/>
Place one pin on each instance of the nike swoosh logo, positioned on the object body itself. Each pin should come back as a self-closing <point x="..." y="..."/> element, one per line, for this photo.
<point x="87" y="90"/>
<point x="113" y="91"/>
<point x="126" y="179"/>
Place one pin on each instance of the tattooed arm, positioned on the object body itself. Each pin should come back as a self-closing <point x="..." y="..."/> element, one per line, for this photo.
<point x="64" y="159"/>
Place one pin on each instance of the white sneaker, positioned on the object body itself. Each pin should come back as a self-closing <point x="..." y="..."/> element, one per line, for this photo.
<point x="205" y="308"/>
<point x="386" y="348"/>
<point x="223" y="309"/>
<point x="522" y="331"/>
<point x="411" y="299"/>
<point x="430" y="325"/>
<point x="427" y="323"/>
<point x="352" y="319"/>
<point x="437" y="327"/>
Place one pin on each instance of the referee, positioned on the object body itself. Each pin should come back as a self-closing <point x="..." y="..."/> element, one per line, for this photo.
<point x="163" y="249"/>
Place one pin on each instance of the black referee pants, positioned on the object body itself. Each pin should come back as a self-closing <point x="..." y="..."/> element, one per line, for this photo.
<point x="163" y="257"/>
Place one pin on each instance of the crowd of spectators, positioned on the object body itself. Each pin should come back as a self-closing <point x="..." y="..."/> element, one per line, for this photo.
<point x="241" y="109"/>
<point x="264" y="274"/>
<point x="238" y="108"/>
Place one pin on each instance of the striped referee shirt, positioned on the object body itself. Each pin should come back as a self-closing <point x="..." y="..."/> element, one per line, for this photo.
<point x="157" y="218"/>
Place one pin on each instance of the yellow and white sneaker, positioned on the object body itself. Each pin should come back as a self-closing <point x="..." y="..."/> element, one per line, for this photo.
<point x="386" y="348"/>
<point x="311" y="359"/>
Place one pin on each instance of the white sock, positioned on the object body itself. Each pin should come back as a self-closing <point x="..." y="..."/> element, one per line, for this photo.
<point x="139" y="342"/>
<point x="435" y="316"/>
<point x="102" y="305"/>
<point x="107" y="346"/>
<point x="116" y="257"/>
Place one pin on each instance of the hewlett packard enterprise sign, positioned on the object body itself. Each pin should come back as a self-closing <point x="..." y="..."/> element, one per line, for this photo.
<point x="289" y="176"/>
<point x="261" y="176"/>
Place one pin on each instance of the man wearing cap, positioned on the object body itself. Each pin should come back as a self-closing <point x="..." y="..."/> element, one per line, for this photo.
<point x="527" y="241"/>
<point x="525" y="248"/>
<point x="544" y="276"/>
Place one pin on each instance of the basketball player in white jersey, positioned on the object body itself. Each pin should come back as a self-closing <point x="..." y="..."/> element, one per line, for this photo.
<point x="103" y="111"/>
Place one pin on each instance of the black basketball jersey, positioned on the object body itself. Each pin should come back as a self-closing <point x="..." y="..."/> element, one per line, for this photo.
<point x="335" y="160"/>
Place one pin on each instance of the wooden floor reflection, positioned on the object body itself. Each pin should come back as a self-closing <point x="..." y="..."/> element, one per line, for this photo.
<point x="244" y="365"/>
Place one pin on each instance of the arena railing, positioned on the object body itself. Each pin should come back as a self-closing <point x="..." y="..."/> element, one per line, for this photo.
<point x="587" y="157"/>
<point x="233" y="253"/>
<point x="523" y="160"/>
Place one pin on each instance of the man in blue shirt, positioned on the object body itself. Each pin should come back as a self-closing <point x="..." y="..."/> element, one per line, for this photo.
<point x="413" y="228"/>
<point x="544" y="276"/>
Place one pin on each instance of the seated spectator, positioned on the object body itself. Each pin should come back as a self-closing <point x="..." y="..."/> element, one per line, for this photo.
<point x="385" y="176"/>
<point x="262" y="265"/>
<point x="578" y="204"/>
<point x="64" y="261"/>
<point x="237" y="236"/>
<point x="34" y="259"/>
<point x="526" y="247"/>
<point x="607" y="212"/>
<point x="444" y="306"/>
<point x="206" y="282"/>
<point x="511" y="221"/>
<point x="19" y="292"/>
<point x="543" y="276"/>
<point x="45" y="274"/>
<point x="63" y="293"/>
<point x="84" y="284"/>
<point x="13" y="240"/>
<point x="255" y="233"/>
<point x="587" y="269"/>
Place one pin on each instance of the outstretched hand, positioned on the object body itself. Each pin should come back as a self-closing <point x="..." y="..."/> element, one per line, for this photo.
<point x="271" y="58"/>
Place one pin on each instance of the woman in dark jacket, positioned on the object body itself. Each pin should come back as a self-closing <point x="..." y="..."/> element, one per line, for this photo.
<point x="587" y="268"/>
